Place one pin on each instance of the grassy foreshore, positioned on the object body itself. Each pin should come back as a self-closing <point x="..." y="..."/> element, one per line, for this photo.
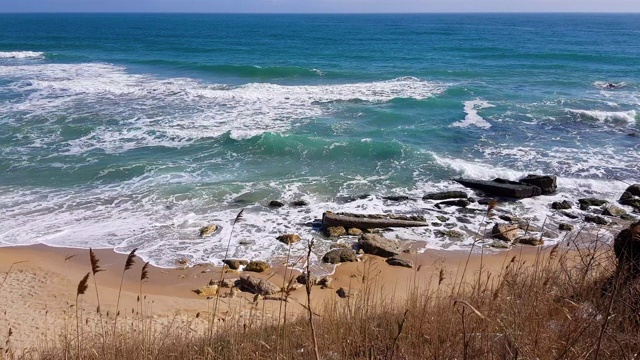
<point x="549" y="303"/>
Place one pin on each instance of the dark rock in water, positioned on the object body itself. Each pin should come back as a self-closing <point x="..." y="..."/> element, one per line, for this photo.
<point x="626" y="246"/>
<point x="234" y="264"/>
<point x="398" y="261"/>
<point x="533" y="241"/>
<point x="569" y="215"/>
<point x="506" y="232"/>
<point x="545" y="182"/>
<point x="337" y="256"/>
<point x="588" y="202"/>
<point x="633" y="134"/>
<point x="485" y="201"/>
<point x="463" y="220"/>
<point x="501" y="187"/>
<point x="442" y="218"/>
<point x="335" y="231"/>
<point x="565" y="227"/>
<point x="257" y="286"/>
<point x="612" y="210"/>
<point x="289" y="238"/>
<point x="631" y="197"/>
<point x="378" y="245"/>
<point x="628" y="217"/>
<point x="275" y="204"/>
<point x="561" y="205"/>
<point x="299" y="203"/>
<point x="596" y="219"/>
<point x="454" y="234"/>
<point x="509" y="218"/>
<point x="371" y="221"/>
<point x="457" y="202"/>
<point x="397" y="198"/>
<point x="445" y="195"/>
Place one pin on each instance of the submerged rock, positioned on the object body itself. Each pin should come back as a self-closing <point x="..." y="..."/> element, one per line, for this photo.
<point x="289" y="238"/>
<point x="208" y="230"/>
<point x="588" y="202"/>
<point x="445" y="195"/>
<point x="397" y="198"/>
<point x="501" y="187"/>
<point x="276" y="204"/>
<point x="596" y="219"/>
<point x="561" y="205"/>
<point x="458" y="203"/>
<point x="299" y="203"/>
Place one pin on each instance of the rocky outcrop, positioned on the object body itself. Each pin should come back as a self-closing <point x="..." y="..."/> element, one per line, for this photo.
<point x="626" y="246"/>
<point x="330" y="219"/>
<point x="457" y="202"/>
<point x="377" y="245"/>
<point x="235" y="264"/>
<point x="503" y="188"/>
<point x="612" y="210"/>
<point x="547" y="183"/>
<point x="257" y="266"/>
<point x="398" y="261"/>
<point x="335" y="231"/>
<point x="561" y="205"/>
<point x="446" y="195"/>
<point x="586" y="203"/>
<point x="595" y="219"/>
<point x="256" y="285"/>
<point x="276" y="204"/>
<point x="208" y="230"/>
<point x="289" y="238"/>
<point x="337" y="256"/>
<point x="506" y="232"/>
<point x="631" y="197"/>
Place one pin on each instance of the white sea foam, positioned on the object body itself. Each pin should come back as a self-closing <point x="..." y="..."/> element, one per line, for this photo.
<point x="176" y="111"/>
<point x="472" y="118"/>
<point x="20" y="54"/>
<point x="605" y="116"/>
<point x="609" y="85"/>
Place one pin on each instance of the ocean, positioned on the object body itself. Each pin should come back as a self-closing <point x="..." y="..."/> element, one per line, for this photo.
<point x="131" y="131"/>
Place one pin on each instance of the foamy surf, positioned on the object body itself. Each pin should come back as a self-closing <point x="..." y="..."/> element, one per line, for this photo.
<point x="472" y="118"/>
<point x="605" y="116"/>
<point x="21" y="55"/>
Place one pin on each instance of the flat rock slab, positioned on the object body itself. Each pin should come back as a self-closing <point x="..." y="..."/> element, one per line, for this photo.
<point x="330" y="219"/>
<point x="256" y="285"/>
<point x="504" y="188"/>
<point x="378" y="245"/>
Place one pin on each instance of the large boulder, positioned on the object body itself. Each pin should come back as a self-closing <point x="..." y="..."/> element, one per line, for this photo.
<point x="501" y="187"/>
<point x="337" y="256"/>
<point x="626" y="246"/>
<point x="561" y="205"/>
<point x="612" y="210"/>
<point x="506" y="232"/>
<point x="257" y="266"/>
<point x="446" y="195"/>
<point x="631" y="197"/>
<point x="258" y="286"/>
<point x="545" y="182"/>
<point x="378" y="245"/>
<point x="586" y="203"/>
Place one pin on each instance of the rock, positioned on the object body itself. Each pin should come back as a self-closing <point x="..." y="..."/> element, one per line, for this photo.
<point x="208" y="230"/>
<point x="545" y="182"/>
<point x="509" y="218"/>
<point x="501" y="187"/>
<point x="208" y="290"/>
<point x="596" y="219"/>
<point x="226" y="283"/>
<point x="626" y="246"/>
<point x="565" y="227"/>
<point x="289" y="238"/>
<point x="628" y="217"/>
<point x="569" y="215"/>
<point x="335" y="231"/>
<point x="633" y="202"/>
<point x="457" y="202"/>
<point x="634" y="190"/>
<point x="299" y="203"/>
<point x="354" y="232"/>
<point x="378" y="245"/>
<point x="302" y="279"/>
<point x="257" y="266"/>
<point x="499" y="244"/>
<point x="339" y="246"/>
<point x="276" y="204"/>
<point x="258" y="286"/>
<point x="464" y="220"/>
<point x="345" y="293"/>
<point x="612" y="210"/>
<point x="235" y="264"/>
<point x="451" y="233"/>
<point x="561" y="205"/>
<point x="588" y="202"/>
<point x="631" y="197"/>
<point x="445" y="195"/>
<point x="337" y="256"/>
<point x="330" y="219"/>
<point x="397" y="198"/>
<point x="534" y="241"/>
<point x="505" y="232"/>
<point x="325" y="282"/>
<point x="442" y="218"/>
<point x="528" y="227"/>
<point x="398" y="261"/>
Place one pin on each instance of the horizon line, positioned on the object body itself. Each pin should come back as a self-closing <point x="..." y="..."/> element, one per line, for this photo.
<point x="327" y="13"/>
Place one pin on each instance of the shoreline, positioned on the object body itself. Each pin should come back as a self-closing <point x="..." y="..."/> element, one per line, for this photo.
<point x="41" y="286"/>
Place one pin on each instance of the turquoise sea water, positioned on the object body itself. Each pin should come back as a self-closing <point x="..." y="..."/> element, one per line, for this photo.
<point x="123" y="131"/>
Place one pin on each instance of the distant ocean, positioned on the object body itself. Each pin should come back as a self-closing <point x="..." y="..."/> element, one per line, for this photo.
<point x="123" y="131"/>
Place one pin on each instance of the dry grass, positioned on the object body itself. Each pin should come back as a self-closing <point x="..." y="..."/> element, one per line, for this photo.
<point x="570" y="302"/>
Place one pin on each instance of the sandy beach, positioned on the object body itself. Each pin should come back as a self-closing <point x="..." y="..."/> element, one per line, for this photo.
<point x="38" y="294"/>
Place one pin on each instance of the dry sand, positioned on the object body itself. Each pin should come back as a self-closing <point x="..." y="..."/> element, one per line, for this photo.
<point x="38" y="294"/>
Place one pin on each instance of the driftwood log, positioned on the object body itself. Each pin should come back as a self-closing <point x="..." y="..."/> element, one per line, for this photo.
<point x="330" y="219"/>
